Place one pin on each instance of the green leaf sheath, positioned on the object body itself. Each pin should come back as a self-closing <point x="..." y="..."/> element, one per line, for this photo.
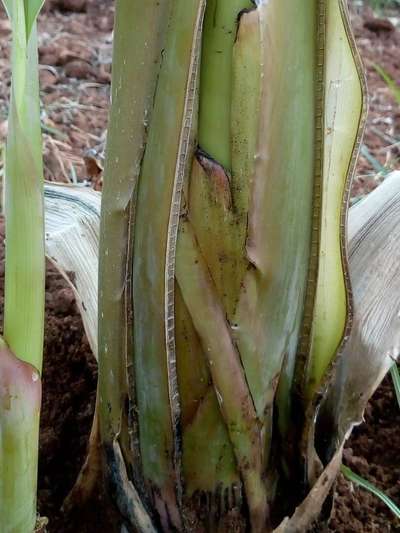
<point x="140" y="33"/>
<point x="343" y="107"/>
<point x="209" y="208"/>
<point x="270" y="304"/>
<point x="208" y="461"/>
<point x="219" y="34"/>
<point x="163" y="164"/>
<point x="247" y="77"/>
<point x="280" y="156"/>
<point x="227" y="374"/>
<point x="219" y="218"/>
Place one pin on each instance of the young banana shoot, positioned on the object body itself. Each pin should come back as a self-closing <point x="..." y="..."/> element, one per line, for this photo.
<point x="22" y="348"/>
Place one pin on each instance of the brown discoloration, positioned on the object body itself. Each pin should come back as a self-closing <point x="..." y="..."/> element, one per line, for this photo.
<point x="219" y="179"/>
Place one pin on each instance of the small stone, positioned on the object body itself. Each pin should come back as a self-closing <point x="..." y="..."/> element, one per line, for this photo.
<point x="378" y="25"/>
<point x="78" y="69"/>
<point x="47" y="78"/>
<point x="5" y="27"/>
<point x="64" y="301"/>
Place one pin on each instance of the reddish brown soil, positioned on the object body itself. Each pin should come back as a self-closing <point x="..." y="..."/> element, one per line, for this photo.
<point x="75" y="54"/>
<point x="69" y="384"/>
<point x="378" y="41"/>
<point x="75" y="64"/>
<point x="373" y="453"/>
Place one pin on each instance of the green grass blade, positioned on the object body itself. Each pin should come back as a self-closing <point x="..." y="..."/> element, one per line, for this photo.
<point x="371" y="159"/>
<point x="394" y="372"/>
<point x="390" y="82"/>
<point x="351" y="476"/>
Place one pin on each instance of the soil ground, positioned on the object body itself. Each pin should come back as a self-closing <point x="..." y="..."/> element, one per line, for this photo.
<point x="75" y="58"/>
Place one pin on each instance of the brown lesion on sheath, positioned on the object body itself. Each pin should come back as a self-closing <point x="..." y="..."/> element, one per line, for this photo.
<point x="219" y="178"/>
<point x="219" y="229"/>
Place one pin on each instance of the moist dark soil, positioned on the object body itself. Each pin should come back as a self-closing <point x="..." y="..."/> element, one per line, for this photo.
<point x="372" y="452"/>
<point x="69" y="385"/>
<point x="75" y="56"/>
